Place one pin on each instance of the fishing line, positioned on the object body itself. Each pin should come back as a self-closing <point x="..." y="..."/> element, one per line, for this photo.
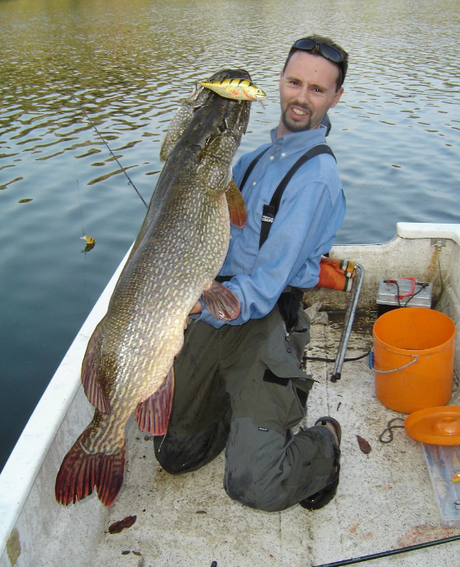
<point x="130" y="182"/>
<point x="83" y="232"/>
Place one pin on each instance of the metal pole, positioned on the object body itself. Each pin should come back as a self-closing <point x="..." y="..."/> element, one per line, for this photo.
<point x="348" y="324"/>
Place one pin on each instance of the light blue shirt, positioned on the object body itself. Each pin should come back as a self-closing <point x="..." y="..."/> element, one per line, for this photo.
<point x="311" y="211"/>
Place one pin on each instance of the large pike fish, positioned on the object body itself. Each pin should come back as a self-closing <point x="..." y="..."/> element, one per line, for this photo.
<point x="179" y="250"/>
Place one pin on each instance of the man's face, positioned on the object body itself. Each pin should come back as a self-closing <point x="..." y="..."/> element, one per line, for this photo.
<point x="307" y="91"/>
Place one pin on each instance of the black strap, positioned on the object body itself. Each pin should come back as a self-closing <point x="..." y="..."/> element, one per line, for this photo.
<point x="269" y="211"/>
<point x="313" y="152"/>
<point x="251" y="167"/>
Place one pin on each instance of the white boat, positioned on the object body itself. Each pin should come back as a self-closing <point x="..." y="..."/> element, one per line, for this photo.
<point x="385" y="499"/>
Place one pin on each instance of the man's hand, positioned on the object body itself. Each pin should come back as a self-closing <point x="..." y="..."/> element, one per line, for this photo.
<point x="197" y="309"/>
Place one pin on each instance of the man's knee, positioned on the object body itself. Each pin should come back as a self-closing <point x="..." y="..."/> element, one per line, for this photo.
<point x="266" y="496"/>
<point x="180" y="453"/>
<point x="270" y="471"/>
<point x="169" y="459"/>
<point x="256" y="466"/>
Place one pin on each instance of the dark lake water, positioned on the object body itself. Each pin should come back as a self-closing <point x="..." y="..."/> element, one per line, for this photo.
<point x="396" y="134"/>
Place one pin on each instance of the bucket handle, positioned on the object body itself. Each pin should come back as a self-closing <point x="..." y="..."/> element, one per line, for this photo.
<point x="371" y="364"/>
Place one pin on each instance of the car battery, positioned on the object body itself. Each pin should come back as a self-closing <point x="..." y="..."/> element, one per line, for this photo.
<point x="403" y="292"/>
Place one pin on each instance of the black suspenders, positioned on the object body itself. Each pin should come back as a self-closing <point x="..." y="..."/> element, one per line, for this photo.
<point x="251" y="167"/>
<point x="269" y="211"/>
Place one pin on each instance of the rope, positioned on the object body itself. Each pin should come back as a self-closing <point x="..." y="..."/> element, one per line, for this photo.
<point x="389" y="430"/>
<point x="350" y="359"/>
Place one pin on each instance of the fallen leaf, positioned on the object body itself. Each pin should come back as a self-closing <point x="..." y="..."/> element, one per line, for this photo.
<point x="364" y="445"/>
<point x="117" y="527"/>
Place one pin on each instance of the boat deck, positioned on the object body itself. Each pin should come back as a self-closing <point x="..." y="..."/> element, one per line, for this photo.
<point x="385" y="498"/>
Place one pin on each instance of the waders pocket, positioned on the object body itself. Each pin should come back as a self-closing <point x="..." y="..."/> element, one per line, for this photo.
<point x="289" y="304"/>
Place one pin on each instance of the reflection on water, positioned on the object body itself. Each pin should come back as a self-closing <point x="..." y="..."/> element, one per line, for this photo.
<point x="396" y="134"/>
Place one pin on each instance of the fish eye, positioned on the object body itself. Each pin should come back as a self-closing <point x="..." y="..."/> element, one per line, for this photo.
<point x="223" y="127"/>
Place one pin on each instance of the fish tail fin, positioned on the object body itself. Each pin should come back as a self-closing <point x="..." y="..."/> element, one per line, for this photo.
<point x="82" y="472"/>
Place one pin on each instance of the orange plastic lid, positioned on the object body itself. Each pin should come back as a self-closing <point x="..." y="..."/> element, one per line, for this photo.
<point x="435" y="426"/>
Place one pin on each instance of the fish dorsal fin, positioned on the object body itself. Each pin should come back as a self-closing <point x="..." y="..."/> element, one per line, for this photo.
<point x="91" y="371"/>
<point x="236" y="205"/>
<point x="152" y="414"/>
<point x="221" y="302"/>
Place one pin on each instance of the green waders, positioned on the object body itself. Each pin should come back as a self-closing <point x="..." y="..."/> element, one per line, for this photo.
<point x="241" y="388"/>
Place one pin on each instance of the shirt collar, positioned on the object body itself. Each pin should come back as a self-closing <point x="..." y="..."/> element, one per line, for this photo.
<point x="298" y="141"/>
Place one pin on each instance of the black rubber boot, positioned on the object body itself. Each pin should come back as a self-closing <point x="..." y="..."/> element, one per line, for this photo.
<point x="325" y="495"/>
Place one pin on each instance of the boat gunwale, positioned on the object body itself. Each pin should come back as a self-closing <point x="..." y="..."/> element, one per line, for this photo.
<point x="26" y="460"/>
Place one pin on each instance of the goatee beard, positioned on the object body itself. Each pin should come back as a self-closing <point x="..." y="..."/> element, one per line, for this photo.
<point x="296" y="126"/>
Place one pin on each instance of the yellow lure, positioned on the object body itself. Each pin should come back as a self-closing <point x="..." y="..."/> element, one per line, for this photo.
<point x="236" y="89"/>
<point x="90" y="243"/>
<point x="88" y="239"/>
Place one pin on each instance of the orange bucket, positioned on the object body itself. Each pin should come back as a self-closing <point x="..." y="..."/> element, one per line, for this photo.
<point x="413" y="358"/>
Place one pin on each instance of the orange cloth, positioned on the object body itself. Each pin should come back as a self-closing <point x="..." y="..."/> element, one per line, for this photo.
<point x="335" y="273"/>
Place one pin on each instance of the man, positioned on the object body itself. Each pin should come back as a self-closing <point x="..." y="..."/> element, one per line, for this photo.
<point x="239" y="384"/>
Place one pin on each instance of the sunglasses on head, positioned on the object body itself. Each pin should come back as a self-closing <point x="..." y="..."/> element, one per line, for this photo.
<point x="327" y="51"/>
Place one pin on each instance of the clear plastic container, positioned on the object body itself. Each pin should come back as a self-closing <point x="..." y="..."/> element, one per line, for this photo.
<point x="443" y="463"/>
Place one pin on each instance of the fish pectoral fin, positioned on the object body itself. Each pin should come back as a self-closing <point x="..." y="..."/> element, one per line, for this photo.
<point x="236" y="205"/>
<point x="152" y="414"/>
<point x="221" y="302"/>
<point x="91" y="371"/>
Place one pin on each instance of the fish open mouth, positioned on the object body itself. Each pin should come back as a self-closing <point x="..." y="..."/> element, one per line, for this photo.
<point x="229" y="74"/>
<point x="215" y="115"/>
<point x="206" y="116"/>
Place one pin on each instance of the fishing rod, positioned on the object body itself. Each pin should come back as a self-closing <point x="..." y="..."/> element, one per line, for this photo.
<point x="130" y="182"/>
<point x="390" y="552"/>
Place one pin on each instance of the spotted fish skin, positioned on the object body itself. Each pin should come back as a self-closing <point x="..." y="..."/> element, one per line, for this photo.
<point x="180" y="249"/>
<point x="179" y="124"/>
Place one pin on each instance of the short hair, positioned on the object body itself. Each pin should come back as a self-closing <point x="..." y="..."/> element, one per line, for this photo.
<point x="321" y="40"/>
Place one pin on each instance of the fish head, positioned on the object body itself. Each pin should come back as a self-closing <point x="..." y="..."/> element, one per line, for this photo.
<point x="214" y="133"/>
<point x="215" y="117"/>
<point x="205" y="119"/>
